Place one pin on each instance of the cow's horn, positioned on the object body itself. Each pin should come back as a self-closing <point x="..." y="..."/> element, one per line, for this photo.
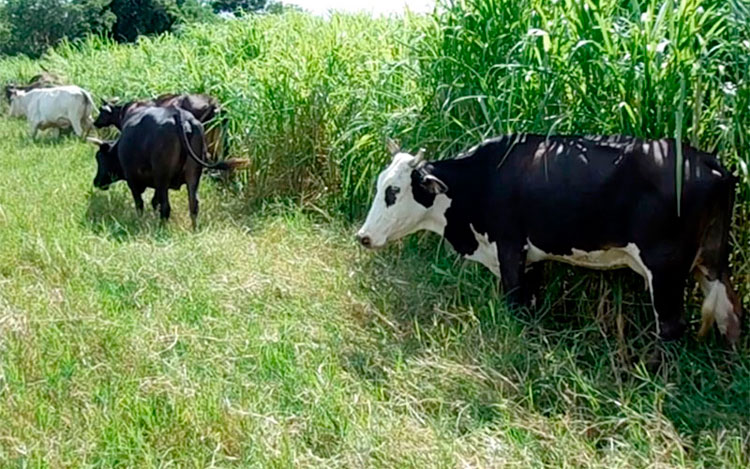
<point x="418" y="158"/>
<point x="95" y="141"/>
<point x="393" y="147"/>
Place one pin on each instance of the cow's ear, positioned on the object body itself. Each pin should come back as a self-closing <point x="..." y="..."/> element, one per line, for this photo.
<point x="433" y="184"/>
<point x="393" y="147"/>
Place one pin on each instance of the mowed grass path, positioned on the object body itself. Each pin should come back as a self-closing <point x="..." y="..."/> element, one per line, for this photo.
<point x="267" y="339"/>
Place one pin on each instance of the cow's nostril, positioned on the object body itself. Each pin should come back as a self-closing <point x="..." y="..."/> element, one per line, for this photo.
<point x="364" y="240"/>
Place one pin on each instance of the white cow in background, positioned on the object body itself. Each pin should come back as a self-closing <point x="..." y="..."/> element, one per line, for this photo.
<point x="59" y="107"/>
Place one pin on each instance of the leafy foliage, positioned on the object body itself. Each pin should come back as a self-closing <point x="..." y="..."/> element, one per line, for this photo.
<point x="30" y="26"/>
<point x="238" y="5"/>
<point x="139" y="17"/>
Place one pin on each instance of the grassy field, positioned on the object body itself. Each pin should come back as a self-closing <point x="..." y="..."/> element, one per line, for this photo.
<point x="269" y="339"/>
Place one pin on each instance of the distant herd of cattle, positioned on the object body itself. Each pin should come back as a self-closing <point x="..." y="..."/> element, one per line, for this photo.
<point x="162" y="143"/>
<point x="508" y="203"/>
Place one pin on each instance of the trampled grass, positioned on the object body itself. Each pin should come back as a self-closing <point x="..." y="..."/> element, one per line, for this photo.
<point x="269" y="339"/>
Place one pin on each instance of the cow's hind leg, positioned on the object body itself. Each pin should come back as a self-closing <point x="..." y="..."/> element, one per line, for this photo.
<point x="155" y="201"/>
<point x="78" y="128"/>
<point x="667" y="295"/>
<point x="720" y="304"/>
<point x="137" y="192"/>
<point x="87" y="125"/>
<point x="192" y="188"/>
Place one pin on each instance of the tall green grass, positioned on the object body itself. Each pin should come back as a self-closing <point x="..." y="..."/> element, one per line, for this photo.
<point x="308" y="99"/>
<point x="311" y="100"/>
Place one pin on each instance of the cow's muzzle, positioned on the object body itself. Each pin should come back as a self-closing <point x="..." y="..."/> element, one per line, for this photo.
<point x="364" y="240"/>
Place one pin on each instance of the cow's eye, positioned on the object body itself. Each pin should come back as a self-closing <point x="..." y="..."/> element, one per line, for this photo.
<point x="390" y="195"/>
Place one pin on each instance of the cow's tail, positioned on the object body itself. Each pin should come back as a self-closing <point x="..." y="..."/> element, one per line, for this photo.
<point x="88" y="102"/>
<point x="88" y="109"/>
<point x="223" y="128"/>
<point x="225" y="165"/>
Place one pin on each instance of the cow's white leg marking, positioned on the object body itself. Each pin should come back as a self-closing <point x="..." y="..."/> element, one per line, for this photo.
<point x="486" y="252"/>
<point x="716" y="306"/>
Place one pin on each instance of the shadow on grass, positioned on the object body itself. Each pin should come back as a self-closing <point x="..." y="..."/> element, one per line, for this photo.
<point x="588" y="351"/>
<point x="112" y="214"/>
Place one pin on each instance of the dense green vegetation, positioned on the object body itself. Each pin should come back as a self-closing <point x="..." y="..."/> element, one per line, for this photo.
<point x="30" y="27"/>
<point x="268" y="339"/>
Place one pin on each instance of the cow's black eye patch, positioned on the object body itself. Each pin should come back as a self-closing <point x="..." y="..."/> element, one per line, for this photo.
<point x="390" y="195"/>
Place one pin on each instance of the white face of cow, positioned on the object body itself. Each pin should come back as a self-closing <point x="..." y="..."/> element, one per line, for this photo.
<point x="397" y="210"/>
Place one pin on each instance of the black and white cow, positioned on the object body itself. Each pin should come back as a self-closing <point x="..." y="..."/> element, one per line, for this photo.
<point x="599" y="202"/>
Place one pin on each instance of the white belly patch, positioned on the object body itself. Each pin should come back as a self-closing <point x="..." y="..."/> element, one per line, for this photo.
<point x="613" y="258"/>
<point x="486" y="253"/>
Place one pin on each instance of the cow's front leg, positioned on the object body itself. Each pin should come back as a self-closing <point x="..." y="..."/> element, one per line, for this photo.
<point x="532" y="282"/>
<point x="667" y="294"/>
<point x="512" y="257"/>
<point x="137" y="192"/>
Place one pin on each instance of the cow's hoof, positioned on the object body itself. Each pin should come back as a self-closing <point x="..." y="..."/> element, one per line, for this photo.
<point x="672" y="330"/>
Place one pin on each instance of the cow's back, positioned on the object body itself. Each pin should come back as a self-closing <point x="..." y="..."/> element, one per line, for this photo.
<point x="150" y="145"/>
<point x="598" y="191"/>
<point x="56" y="102"/>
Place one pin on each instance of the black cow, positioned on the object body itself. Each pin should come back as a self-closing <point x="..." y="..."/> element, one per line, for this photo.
<point x="159" y="147"/>
<point x="598" y="202"/>
<point x="203" y="107"/>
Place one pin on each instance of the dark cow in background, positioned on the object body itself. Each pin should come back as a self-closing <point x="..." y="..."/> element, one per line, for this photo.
<point x="42" y="80"/>
<point x="600" y="202"/>
<point x="203" y="107"/>
<point x="159" y="147"/>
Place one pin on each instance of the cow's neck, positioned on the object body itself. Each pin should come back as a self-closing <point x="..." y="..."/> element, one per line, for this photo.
<point x="435" y="220"/>
<point x="459" y="214"/>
